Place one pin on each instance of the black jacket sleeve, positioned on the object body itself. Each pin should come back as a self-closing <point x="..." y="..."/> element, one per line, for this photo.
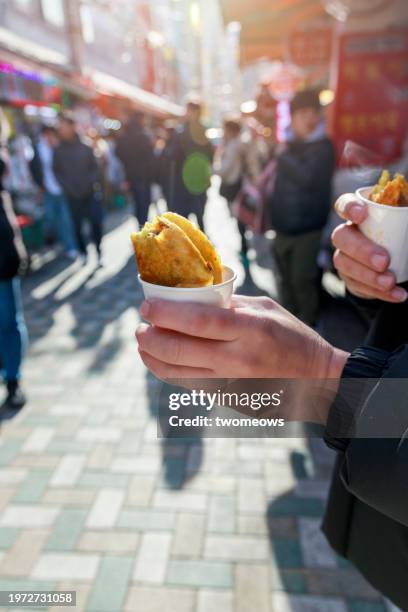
<point x="368" y="424"/>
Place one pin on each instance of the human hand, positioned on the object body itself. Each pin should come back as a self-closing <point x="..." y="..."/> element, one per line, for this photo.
<point x="362" y="264"/>
<point x="256" y="338"/>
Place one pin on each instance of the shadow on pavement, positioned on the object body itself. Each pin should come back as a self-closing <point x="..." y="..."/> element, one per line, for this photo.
<point x="94" y="304"/>
<point x="104" y="305"/>
<point x="181" y="457"/>
<point x="304" y="562"/>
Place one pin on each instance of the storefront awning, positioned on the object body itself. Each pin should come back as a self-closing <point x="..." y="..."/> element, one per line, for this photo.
<point x="31" y="50"/>
<point x="143" y="100"/>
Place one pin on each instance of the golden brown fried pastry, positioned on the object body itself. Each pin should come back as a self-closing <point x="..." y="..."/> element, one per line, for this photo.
<point x="390" y="192"/>
<point x="200" y="240"/>
<point x="167" y="256"/>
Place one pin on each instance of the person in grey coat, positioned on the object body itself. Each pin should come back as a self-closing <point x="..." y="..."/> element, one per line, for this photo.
<point x="76" y="170"/>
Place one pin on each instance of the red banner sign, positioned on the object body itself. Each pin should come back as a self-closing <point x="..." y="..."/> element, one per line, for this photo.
<point x="371" y="104"/>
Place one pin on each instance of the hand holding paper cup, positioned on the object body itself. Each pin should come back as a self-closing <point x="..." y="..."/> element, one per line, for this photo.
<point x="387" y="223"/>
<point x="177" y="262"/>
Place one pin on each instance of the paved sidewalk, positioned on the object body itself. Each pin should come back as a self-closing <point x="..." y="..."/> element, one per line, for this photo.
<point x="92" y="501"/>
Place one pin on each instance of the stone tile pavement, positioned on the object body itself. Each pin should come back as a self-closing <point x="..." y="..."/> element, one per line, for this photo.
<point x="92" y="501"/>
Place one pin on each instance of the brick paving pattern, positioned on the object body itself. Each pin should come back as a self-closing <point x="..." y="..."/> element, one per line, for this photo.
<point x="91" y="500"/>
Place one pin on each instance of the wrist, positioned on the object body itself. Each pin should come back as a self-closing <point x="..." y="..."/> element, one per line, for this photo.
<point x="320" y="389"/>
<point x="336" y="364"/>
<point x="329" y="361"/>
<point x="320" y="407"/>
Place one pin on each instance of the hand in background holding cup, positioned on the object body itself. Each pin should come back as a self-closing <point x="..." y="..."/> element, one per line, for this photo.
<point x="362" y="264"/>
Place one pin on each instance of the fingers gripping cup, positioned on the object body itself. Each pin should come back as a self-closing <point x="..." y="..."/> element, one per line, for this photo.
<point x="387" y="226"/>
<point x="177" y="262"/>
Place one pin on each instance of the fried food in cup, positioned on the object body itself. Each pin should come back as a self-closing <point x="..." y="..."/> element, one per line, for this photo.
<point x="390" y="192"/>
<point x="171" y="252"/>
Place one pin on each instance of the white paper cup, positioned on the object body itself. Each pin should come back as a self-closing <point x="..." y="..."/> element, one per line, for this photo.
<point x="388" y="227"/>
<point x="216" y="295"/>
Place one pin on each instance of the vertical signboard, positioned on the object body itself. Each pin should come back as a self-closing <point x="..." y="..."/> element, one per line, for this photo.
<point x="371" y="103"/>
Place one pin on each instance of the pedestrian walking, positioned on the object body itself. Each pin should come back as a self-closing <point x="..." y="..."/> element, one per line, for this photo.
<point x="135" y="151"/>
<point x="231" y="168"/>
<point x="163" y="167"/>
<point x="56" y="211"/>
<point x="13" y="335"/>
<point x="300" y="206"/>
<point x="190" y="155"/>
<point x="76" y="170"/>
<point x="255" y="150"/>
<point x="115" y="174"/>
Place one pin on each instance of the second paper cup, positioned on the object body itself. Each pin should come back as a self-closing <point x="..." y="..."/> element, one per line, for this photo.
<point x="388" y="227"/>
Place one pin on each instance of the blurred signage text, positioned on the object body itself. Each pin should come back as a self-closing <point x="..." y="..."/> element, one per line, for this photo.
<point x="371" y="104"/>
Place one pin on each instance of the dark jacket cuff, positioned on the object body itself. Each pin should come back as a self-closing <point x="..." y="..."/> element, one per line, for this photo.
<point x="361" y="372"/>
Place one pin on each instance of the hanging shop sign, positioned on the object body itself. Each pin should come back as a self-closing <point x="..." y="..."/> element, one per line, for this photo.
<point x="371" y="103"/>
